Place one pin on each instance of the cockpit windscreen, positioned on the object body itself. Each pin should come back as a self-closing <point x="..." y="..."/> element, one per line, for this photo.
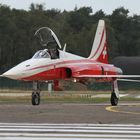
<point x="41" y="54"/>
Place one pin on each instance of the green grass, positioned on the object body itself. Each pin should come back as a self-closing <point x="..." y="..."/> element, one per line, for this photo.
<point x="53" y="99"/>
<point x="129" y="99"/>
<point x="86" y="97"/>
<point x="72" y="99"/>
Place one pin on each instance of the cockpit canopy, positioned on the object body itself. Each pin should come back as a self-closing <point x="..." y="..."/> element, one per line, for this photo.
<point x="47" y="53"/>
<point x="47" y="38"/>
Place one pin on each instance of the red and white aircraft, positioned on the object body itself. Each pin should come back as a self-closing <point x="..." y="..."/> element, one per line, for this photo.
<point x="53" y="64"/>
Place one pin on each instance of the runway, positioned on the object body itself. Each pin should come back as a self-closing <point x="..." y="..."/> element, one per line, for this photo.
<point x="26" y="131"/>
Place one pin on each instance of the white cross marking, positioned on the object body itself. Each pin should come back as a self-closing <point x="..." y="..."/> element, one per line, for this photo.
<point x="104" y="53"/>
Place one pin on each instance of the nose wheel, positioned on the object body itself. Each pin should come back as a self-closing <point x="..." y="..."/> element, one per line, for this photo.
<point x="35" y="98"/>
<point x="36" y="94"/>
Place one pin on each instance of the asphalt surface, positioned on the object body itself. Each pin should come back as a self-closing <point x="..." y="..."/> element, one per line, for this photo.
<point x="125" y="113"/>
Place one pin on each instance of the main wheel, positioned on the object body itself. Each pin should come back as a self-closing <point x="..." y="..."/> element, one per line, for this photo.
<point x="114" y="100"/>
<point x="35" y="98"/>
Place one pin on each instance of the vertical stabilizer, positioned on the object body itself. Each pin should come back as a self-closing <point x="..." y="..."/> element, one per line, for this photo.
<point x="99" y="48"/>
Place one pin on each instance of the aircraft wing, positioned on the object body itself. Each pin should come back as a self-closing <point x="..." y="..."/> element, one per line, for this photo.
<point x="128" y="80"/>
<point x="108" y="76"/>
<point x="119" y="77"/>
<point x="92" y="71"/>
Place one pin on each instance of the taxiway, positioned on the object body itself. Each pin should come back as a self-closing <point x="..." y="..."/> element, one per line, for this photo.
<point x="71" y="113"/>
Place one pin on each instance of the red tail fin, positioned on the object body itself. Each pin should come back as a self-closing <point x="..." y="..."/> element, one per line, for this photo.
<point x="99" y="49"/>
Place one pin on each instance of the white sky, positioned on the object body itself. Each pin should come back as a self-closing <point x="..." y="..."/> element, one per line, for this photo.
<point x="106" y="5"/>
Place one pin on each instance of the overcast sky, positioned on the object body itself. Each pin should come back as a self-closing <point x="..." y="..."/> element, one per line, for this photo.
<point x="106" y="5"/>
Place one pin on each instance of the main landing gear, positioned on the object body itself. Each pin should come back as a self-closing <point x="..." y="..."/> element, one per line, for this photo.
<point x="115" y="94"/>
<point x="36" y="94"/>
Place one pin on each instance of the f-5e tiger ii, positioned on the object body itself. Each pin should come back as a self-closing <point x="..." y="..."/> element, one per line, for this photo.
<point x="55" y="64"/>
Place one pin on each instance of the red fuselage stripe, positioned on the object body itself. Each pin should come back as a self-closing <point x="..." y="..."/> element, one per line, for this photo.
<point x="64" y="62"/>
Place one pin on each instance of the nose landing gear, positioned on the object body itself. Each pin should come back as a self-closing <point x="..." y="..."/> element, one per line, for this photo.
<point x="36" y="94"/>
<point x="35" y="98"/>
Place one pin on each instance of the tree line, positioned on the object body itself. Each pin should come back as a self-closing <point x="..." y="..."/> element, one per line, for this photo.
<point x="76" y="28"/>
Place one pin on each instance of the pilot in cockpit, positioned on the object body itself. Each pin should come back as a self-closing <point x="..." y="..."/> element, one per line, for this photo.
<point x="54" y="53"/>
<point x="53" y="49"/>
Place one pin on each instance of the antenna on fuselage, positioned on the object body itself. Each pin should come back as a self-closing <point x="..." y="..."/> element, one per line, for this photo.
<point x="64" y="48"/>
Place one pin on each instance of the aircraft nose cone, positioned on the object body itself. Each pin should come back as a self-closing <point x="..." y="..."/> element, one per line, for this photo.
<point x="12" y="74"/>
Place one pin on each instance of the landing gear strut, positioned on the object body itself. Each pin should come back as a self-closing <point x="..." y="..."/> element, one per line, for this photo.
<point x="115" y="94"/>
<point x="36" y="94"/>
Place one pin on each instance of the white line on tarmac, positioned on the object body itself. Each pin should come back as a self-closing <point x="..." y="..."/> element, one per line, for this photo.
<point x="13" y="131"/>
<point x="68" y="127"/>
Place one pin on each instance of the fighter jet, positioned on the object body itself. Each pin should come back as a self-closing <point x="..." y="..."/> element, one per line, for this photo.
<point x="54" y="64"/>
